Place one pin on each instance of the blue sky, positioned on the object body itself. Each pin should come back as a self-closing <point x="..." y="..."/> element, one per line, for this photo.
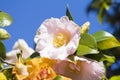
<point x="29" y="14"/>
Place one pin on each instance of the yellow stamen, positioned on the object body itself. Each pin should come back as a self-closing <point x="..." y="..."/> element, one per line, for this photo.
<point x="60" y="40"/>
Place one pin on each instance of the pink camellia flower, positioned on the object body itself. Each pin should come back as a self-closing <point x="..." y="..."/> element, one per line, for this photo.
<point x="57" y="38"/>
<point x="19" y="47"/>
<point x="81" y="69"/>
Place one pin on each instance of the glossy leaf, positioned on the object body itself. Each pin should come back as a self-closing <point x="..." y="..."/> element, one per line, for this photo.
<point x="4" y="34"/>
<point x="5" y="19"/>
<point x="2" y="50"/>
<point x="108" y="43"/>
<point x="115" y="78"/>
<point x="102" y="35"/>
<point x="68" y="13"/>
<point x="83" y="50"/>
<point x="88" y="40"/>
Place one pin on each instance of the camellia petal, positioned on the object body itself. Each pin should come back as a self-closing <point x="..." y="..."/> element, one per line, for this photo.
<point x="57" y="38"/>
<point x="81" y="69"/>
<point x="19" y="46"/>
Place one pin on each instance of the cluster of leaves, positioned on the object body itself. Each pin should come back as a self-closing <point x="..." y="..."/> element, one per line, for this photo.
<point x="97" y="46"/>
<point x="108" y="11"/>
<point x="100" y="6"/>
<point x="5" y="20"/>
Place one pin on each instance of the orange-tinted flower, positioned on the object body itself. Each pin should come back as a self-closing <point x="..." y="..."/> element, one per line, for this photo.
<point x="40" y="69"/>
<point x="20" y="71"/>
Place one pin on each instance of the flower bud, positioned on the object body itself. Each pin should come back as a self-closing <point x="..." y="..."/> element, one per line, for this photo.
<point x="4" y="34"/>
<point x="85" y="27"/>
<point x="5" y="19"/>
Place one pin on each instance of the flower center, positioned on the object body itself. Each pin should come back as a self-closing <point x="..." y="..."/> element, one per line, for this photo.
<point x="46" y="74"/>
<point x="60" y="40"/>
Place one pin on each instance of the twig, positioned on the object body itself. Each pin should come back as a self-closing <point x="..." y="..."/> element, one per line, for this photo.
<point x="1" y="60"/>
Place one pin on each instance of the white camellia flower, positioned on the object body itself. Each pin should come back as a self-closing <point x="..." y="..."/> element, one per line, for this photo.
<point x="57" y="38"/>
<point x="81" y="69"/>
<point x="19" y="46"/>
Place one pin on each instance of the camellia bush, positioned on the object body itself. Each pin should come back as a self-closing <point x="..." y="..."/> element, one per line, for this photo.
<point x="64" y="51"/>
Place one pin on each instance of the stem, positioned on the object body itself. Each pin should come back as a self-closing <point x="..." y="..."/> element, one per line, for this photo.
<point x="5" y="69"/>
<point x="1" y="60"/>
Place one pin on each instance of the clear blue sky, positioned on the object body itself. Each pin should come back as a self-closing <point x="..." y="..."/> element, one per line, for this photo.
<point x="29" y="14"/>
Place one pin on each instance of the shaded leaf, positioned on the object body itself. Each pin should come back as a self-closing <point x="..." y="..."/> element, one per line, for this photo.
<point x="35" y="54"/>
<point x="69" y="14"/>
<point x="88" y="40"/>
<point x="8" y="74"/>
<point x="5" y="19"/>
<point x="115" y="78"/>
<point x="96" y="57"/>
<point x="102" y="35"/>
<point x="83" y="50"/>
<point x="100" y="14"/>
<point x="102" y="56"/>
<point x="96" y="4"/>
<point x="2" y="50"/>
<point x="108" y="43"/>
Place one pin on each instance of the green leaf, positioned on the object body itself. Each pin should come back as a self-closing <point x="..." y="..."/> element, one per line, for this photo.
<point x="69" y="14"/>
<point x="58" y="78"/>
<point x="102" y="35"/>
<point x="8" y="74"/>
<point x="4" y="34"/>
<point x="2" y="50"/>
<point x="105" y="40"/>
<point x="88" y="40"/>
<point x="5" y="19"/>
<point x="110" y="59"/>
<point x="96" y="57"/>
<point x="35" y="54"/>
<point x="1" y="65"/>
<point x="108" y="43"/>
<point x="100" y="14"/>
<point x="96" y="4"/>
<point x="106" y="6"/>
<point x="83" y="50"/>
<point x="115" y="78"/>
